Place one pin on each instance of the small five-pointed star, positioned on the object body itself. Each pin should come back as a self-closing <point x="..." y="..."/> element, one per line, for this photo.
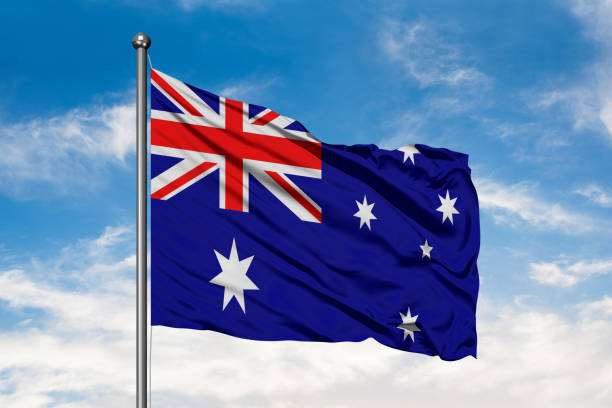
<point x="426" y="250"/>
<point x="233" y="277"/>
<point x="408" y="325"/>
<point x="447" y="208"/>
<point x="409" y="151"/>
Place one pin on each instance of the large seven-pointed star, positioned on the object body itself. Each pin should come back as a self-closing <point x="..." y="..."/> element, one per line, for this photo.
<point x="233" y="277"/>
<point x="447" y="208"/>
<point x="408" y="325"/>
<point x="365" y="213"/>
<point x="409" y="151"/>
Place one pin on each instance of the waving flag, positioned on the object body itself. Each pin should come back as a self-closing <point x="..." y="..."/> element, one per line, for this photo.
<point x="260" y="231"/>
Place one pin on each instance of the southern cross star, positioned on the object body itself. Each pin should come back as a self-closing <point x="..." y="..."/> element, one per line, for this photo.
<point x="365" y="213"/>
<point x="409" y="151"/>
<point x="447" y="208"/>
<point x="408" y="325"/>
<point x="426" y="250"/>
<point x="233" y="277"/>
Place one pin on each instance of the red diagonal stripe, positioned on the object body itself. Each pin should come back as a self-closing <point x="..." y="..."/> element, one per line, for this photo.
<point x="170" y="91"/>
<point x="267" y="118"/>
<point x="296" y="195"/>
<point x="190" y="175"/>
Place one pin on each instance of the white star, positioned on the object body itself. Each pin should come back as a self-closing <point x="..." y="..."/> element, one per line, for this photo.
<point x="365" y="213"/>
<point x="408" y="325"/>
<point x="426" y="250"/>
<point x="409" y="151"/>
<point x="233" y="277"/>
<point x="447" y="208"/>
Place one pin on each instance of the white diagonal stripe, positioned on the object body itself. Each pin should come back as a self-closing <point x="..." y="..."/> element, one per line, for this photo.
<point x="258" y="165"/>
<point x="299" y="190"/>
<point x="189" y="95"/>
<point x="170" y="98"/>
<point x="191" y="160"/>
<point x="258" y="170"/>
<point x="259" y="115"/>
<point x="210" y="121"/>
<point x="190" y="182"/>
<point x="275" y="127"/>
<point x="284" y="197"/>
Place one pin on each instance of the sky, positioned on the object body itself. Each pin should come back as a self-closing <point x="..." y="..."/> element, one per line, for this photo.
<point x="523" y="87"/>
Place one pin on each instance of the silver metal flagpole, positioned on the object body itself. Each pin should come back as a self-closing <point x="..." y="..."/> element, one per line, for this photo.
<point x="141" y="42"/>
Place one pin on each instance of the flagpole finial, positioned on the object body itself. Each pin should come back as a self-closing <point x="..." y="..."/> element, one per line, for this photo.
<point x="141" y="40"/>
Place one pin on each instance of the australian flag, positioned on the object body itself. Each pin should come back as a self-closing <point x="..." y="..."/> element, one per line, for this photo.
<point x="261" y="231"/>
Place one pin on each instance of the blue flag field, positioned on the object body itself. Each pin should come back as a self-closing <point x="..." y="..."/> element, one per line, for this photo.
<point x="260" y="231"/>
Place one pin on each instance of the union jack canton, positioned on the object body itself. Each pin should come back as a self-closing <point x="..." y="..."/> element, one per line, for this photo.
<point x="260" y="231"/>
<point x="212" y="133"/>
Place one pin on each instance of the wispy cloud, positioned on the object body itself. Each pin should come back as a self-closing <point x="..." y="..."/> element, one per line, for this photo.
<point x="596" y="16"/>
<point x="565" y="274"/>
<point x="65" y="149"/>
<point x="588" y="101"/>
<point x="189" y="5"/>
<point x="594" y="310"/>
<point x="63" y="286"/>
<point x="80" y="352"/>
<point x="520" y="201"/>
<point x="77" y="334"/>
<point x="427" y="57"/>
<point x="581" y="103"/>
<point x="247" y="91"/>
<point x="605" y="115"/>
<point x="596" y="194"/>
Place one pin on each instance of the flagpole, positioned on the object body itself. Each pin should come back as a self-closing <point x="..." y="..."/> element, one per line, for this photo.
<point x="141" y="43"/>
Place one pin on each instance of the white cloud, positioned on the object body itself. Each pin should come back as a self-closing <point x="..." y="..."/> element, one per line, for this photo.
<point x="595" y="310"/>
<point x="596" y="194"/>
<point x="520" y="364"/>
<point x="564" y="274"/>
<point x="431" y="60"/>
<point x="510" y="203"/>
<point x="82" y="353"/>
<point x="110" y="237"/>
<point x="588" y="101"/>
<point x="190" y="5"/>
<point x="551" y="274"/>
<point x="65" y="149"/>
<point x="246" y="91"/>
<point x="596" y="16"/>
<point x="88" y="276"/>
<point x="580" y="102"/>
<point x="72" y="310"/>
<point x="606" y="115"/>
<point x="412" y="125"/>
<point x="81" y="324"/>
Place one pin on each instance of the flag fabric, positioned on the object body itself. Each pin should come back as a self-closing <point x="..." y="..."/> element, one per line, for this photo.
<point x="261" y="231"/>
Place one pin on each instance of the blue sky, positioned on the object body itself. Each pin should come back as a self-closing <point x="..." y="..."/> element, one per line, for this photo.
<point x="522" y="87"/>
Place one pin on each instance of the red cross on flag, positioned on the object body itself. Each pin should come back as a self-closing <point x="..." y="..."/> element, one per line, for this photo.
<point x="211" y="133"/>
